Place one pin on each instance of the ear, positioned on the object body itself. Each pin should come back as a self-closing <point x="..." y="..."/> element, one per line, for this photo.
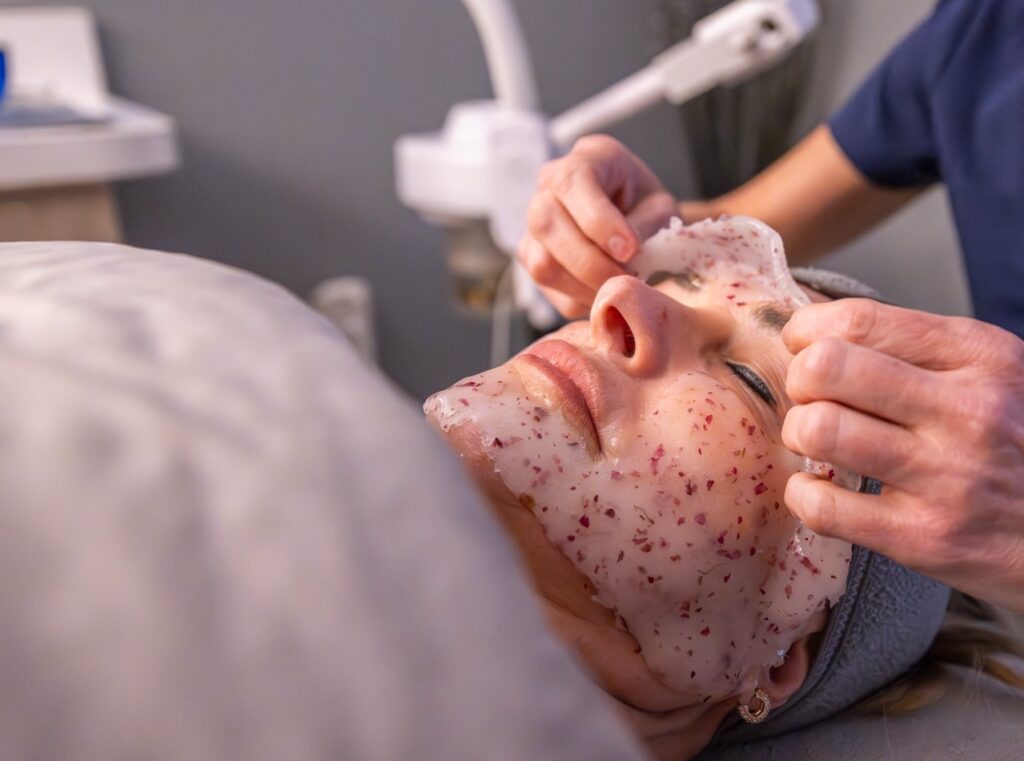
<point x="780" y="682"/>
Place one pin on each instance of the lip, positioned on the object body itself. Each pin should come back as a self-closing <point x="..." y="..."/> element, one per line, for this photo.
<point x="576" y="383"/>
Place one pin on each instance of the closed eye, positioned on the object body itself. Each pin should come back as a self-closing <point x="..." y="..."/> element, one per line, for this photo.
<point x="753" y="380"/>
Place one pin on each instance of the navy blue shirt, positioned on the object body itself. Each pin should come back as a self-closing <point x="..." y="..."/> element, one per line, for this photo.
<point x="948" y="105"/>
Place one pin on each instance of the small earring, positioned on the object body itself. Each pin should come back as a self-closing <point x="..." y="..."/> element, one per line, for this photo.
<point x="759" y="714"/>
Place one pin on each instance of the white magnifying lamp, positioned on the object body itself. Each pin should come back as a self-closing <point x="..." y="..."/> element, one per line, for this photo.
<point x="482" y="166"/>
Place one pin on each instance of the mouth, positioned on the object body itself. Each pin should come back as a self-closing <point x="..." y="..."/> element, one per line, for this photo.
<point x="568" y="373"/>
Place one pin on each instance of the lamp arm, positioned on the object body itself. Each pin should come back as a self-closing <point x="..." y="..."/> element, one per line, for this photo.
<point x="732" y="44"/>
<point x="508" y="58"/>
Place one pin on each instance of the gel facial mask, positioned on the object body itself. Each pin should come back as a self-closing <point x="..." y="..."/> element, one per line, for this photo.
<point x="677" y="518"/>
<point x="749" y="256"/>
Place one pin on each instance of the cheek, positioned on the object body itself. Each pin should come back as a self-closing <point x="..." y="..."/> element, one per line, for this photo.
<point x="702" y="439"/>
<point x="721" y="483"/>
<point x="681" y="530"/>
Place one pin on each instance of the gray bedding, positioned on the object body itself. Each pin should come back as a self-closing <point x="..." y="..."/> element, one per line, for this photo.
<point x="978" y="720"/>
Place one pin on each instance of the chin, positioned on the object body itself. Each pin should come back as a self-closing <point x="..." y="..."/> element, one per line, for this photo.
<point x="466" y="440"/>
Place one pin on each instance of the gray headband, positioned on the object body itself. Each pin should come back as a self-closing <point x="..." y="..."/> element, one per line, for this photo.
<point x="834" y="284"/>
<point x="881" y="627"/>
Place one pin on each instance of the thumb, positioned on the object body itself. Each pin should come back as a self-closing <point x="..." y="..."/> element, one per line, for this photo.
<point x="651" y="214"/>
<point x="870" y="520"/>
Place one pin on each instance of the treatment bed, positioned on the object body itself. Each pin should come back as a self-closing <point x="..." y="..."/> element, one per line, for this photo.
<point x="224" y="537"/>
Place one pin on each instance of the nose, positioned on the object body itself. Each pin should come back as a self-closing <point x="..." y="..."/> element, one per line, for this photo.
<point x="643" y="330"/>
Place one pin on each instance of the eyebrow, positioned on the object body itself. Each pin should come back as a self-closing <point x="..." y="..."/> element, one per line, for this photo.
<point x="687" y="280"/>
<point x="773" y="316"/>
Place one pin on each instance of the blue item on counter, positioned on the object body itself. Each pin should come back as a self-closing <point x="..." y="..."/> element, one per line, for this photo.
<point x="3" y="73"/>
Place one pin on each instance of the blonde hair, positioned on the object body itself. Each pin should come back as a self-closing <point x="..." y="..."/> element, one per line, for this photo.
<point x="974" y="635"/>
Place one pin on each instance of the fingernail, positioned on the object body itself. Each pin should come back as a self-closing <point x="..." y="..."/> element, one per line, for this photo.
<point x="619" y="248"/>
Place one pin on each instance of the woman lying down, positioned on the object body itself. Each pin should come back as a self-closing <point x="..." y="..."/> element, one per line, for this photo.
<point x="636" y="461"/>
<point x="222" y="537"/>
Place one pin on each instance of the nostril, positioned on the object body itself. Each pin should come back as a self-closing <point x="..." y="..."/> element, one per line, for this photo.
<point x="619" y="329"/>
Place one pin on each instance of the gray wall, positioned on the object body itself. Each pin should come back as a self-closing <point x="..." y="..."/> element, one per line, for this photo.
<point x="288" y="112"/>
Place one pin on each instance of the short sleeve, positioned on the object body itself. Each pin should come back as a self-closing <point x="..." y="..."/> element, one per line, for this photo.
<point x="886" y="129"/>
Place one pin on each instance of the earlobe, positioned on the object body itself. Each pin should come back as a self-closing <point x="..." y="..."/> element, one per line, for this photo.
<point x="777" y="684"/>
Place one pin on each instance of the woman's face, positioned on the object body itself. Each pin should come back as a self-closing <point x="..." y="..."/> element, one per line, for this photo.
<point x="644" y="446"/>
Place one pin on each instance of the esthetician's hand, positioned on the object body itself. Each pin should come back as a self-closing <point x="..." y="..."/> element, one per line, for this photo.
<point x="933" y="407"/>
<point x="591" y="211"/>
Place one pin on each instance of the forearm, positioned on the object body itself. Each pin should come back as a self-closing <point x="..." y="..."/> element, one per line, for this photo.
<point x="813" y="196"/>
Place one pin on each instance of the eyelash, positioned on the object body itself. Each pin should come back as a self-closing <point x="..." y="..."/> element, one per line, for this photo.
<point x="753" y="380"/>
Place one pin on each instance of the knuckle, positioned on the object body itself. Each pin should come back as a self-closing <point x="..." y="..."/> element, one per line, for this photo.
<point x="791" y="429"/>
<point x="817" y="430"/>
<point x="977" y="342"/>
<point x="859" y="318"/>
<point x="549" y="171"/>
<point x="819" y="513"/>
<point x="540" y="215"/>
<point x="542" y="266"/>
<point x="940" y="520"/>
<point x="993" y="404"/>
<point x="591" y="220"/>
<point x="818" y="366"/>
<point x="985" y="411"/>
<point x="973" y="331"/>
<point x="942" y="540"/>
<point x="945" y="525"/>
<point x="567" y="180"/>
<point x="912" y="458"/>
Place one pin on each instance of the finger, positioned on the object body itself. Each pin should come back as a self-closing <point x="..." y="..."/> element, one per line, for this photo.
<point x="652" y="214"/>
<point x="832" y="433"/>
<point x="548" y="272"/>
<point x="568" y="307"/>
<point x="864" y="379"/>
<point x="877" y="522"/>
<point x="552" y="227"/>
<point x="589" y="206"/>
<point x="922" y="339"/>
